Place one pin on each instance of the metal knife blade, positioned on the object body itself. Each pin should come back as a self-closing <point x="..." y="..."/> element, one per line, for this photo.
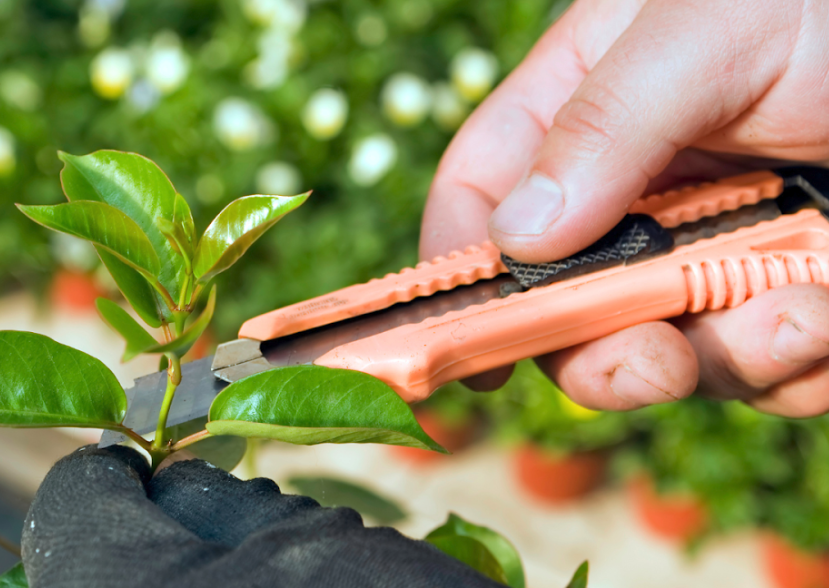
<point x="202" y="380"/>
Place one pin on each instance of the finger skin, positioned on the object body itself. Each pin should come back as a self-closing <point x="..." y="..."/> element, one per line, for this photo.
<point x="491" y="380"/>
<point x="805" y="396"/>
<point x="771" y="338"/>
<point x="657" y="90"/>
<point x="611" y="93"/>
<point x="651" y="363"/>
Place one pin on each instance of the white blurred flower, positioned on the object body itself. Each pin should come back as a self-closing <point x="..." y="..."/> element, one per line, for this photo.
<point x="372" y="159"/>
<point x="278" y="177"/>
<point x="271" y="67"/>
<point x="143" y="96"/>
<point x="325" y="113"/>
<point x="167" y="64"/>
<point x="289" y="15"/>
<point x="406" y="99"/>
<point x="8" y="159"/>
<point x="112" y="72"/>
<point x="73" y="253"/>
<point x="240" y="125"/>
<point x="448" y="109"/>
<point x="371" y="30"/>
<point x="473" y="72"/>
<point x="112" y="8"/>
<point x="19" y="90"/>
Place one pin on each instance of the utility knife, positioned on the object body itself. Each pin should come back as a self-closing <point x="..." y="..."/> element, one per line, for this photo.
<point x="705" y="247"/>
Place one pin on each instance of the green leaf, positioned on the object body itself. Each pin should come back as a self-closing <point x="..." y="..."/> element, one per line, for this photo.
<point x="224" y="452"/>
<point x="46" y="384"/>
<point x="182" y="344"/>
<point x="335" y="492"/>
<point x="14" y="578"/>
<point x="498" y="545"/>
<point x="309" y="404"/>
<point x="138" y="292"/>
<point x="137" y="187"/>
<point x="236" y="228"/>
<point x="103" y="225"/>
<point x="182" y="217"/>
<point x="140" y="341"/>
<point x="471" y="552"/>
<point x="122" y="323"/>
<point x="579" y="579"/>
<point x="181" y="231"/>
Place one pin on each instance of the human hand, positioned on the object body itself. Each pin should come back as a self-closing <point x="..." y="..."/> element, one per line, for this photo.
<point x="99" y="520"/>
<point x="622" y="98"/>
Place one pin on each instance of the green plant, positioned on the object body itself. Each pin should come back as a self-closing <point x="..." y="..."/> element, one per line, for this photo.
<point x="144" y="234"/>
<point x="530" y="407"/>
<point x="731" y="458"/>
<point x="797" y="507"/>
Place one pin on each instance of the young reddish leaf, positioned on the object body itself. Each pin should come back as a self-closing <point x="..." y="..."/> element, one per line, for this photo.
<point x="309" y="404"/>
<point x="103" y="225"/>
<point x="46" y="384"/>
<point x="122" y="323"/>
<point x="236" y="228"/>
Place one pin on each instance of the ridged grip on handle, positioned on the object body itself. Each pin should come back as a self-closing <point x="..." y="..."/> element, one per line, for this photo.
<point x="714" y="273"/>
<point x="426" y="278"/>
<point x="690" y="204"/>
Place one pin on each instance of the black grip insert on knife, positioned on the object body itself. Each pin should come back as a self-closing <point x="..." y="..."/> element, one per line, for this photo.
<point x="636" y="237"/>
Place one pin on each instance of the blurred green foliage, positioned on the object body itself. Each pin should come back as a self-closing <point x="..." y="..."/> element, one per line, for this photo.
<point x="349" y="232"/>
<point x="531" y="408"/>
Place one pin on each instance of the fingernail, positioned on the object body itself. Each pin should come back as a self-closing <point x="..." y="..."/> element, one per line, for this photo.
<point x="794" y="346"/>
<point x="530" y="209"/>
<point x="631" y="388"/>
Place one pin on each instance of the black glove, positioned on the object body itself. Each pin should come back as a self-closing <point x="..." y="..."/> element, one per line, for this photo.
<point x="99" y="520"/>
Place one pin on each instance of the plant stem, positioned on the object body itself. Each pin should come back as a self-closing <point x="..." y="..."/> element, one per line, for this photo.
<point x="182" y="300"/>
<point x="190" y="439"/>
<point x="142" y="443"/>
<point x="168" y="300"/>
<point x="173" y="380"/>
<point x="168" y="335"/>
<point x="12" y="548"/>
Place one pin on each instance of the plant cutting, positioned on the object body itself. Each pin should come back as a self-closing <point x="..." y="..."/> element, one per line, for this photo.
<point x="561" y="448"/>
<point x="144" y="233"/>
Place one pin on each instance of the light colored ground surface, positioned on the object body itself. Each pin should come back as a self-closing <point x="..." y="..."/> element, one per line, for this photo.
<point x="477" y="484"/>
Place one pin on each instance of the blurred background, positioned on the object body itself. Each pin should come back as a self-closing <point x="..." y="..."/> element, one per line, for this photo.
<point x="357" y="99"/>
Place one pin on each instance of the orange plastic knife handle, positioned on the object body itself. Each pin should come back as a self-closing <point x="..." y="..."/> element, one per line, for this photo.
<point x="484" y="262"/>
<point x="716" y="273"/>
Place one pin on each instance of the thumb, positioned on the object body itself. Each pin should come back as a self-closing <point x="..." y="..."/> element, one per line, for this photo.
<point x="670" y="79"/>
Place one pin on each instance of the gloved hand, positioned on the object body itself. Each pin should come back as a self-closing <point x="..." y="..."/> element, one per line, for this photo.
<point x="100" y="520"/>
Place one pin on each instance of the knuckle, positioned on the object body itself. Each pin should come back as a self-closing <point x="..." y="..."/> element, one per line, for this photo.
<point x="596" y="122"/>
